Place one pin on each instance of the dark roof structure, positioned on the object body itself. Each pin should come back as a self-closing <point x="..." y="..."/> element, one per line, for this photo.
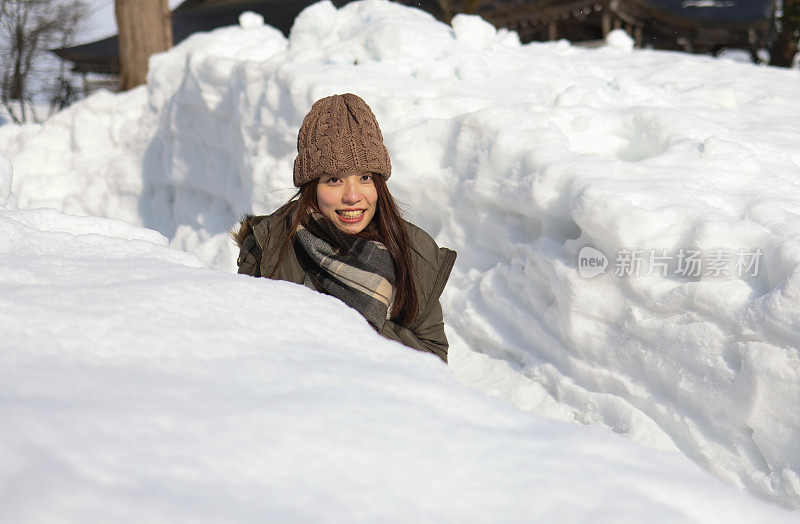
<point x="689" y="25"/>
<point x="101" y="56"/>
<point x="716" y="11"/>
<point x="188" y="18"/>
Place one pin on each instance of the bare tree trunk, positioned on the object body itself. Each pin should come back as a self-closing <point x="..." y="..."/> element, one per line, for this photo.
<point x="145" y="28"/>
<point x="783" y="50"/>
<point x="446" y="7"/>
<point x="18" y="78"/>
<point x="787" y="28"/>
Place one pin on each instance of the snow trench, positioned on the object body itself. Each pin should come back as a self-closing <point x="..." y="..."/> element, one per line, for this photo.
<point x="519" y="158"/>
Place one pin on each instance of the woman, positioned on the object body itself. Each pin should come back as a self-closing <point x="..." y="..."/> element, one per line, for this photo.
<point x="342" y="234"/>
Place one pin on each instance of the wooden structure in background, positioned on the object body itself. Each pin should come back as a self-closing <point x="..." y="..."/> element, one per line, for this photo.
<point x="144" y="30"/>
<point x="192" y="16"/>
<point x="699" y="26"/>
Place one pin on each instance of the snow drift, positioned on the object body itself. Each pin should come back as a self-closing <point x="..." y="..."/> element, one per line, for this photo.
<point x="519" y="157"/>
<point x="139" y="386"/>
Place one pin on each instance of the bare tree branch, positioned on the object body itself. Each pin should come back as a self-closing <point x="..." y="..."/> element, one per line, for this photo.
<point x="28" y="29"/>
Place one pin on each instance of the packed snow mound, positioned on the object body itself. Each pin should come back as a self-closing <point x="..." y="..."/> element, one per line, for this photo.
<point x="137" y="386"/>
<point x="7" y="199"/>
<point x="678" y="174"/>
<point x="619" y="39"/>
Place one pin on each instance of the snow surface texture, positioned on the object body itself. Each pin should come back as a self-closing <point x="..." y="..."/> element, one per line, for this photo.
<point x="518" y="157"/>
<point x="132" y="393"/>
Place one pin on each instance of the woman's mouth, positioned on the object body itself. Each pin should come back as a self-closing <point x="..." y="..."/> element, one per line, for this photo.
<point x="350" y="217"/>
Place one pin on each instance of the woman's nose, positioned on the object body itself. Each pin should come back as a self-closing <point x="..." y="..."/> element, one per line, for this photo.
<point x="351" y="194"/>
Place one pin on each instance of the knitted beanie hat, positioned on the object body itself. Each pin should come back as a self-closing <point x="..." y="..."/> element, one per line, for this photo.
<point x="340" y="133"/>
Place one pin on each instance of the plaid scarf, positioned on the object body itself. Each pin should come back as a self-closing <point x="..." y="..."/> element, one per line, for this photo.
<point x="357" y="271"/>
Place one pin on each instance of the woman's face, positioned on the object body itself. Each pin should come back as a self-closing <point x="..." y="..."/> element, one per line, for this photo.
<point x="348" y="199"/>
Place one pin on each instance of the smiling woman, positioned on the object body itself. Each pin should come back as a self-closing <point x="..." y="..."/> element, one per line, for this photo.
<point x="342" y="233"/>
<point x="348" y="200"/>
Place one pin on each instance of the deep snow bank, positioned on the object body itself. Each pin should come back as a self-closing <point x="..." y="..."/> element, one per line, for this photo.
<point x="137" y="386"/>
<point x="518" y="157"/>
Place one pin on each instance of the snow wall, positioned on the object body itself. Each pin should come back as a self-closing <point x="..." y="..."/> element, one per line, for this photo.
<point x="520" y="158"/>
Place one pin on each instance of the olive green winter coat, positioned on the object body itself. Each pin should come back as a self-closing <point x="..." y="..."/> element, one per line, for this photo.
<point x="260" y="239"/>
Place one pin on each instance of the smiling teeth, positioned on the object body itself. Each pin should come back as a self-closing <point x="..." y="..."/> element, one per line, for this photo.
<point x="351" y="214"/>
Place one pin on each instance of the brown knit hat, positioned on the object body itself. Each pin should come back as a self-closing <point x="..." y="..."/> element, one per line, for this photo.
<point x="338" y="134"/>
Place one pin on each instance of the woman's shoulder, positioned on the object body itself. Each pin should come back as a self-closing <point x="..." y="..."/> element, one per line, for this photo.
<point x="246" y="223"/>
<point x="435" y="261"/>
<point x="433" y="265"/>
<point x="260" y="226"/>
<point x="426" y="247"/>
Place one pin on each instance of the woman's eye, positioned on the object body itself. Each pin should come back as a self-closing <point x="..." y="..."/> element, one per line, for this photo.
<point x="366" y="178"/>
<point x="333" y="180"/>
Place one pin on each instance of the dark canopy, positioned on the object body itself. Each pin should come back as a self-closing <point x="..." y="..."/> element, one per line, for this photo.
<point x="204" y="15"/>
<point x="190" y="17"/>
<point x="716" y="10"/>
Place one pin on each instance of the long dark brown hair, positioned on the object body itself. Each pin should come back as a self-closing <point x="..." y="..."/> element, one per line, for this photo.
<point x="386" y="226"/>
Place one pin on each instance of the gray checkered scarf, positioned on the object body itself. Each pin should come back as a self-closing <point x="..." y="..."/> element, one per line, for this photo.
<point x="357" y="271"/>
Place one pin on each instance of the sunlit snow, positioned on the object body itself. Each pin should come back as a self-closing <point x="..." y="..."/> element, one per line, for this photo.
<point x="518" y="157"/>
